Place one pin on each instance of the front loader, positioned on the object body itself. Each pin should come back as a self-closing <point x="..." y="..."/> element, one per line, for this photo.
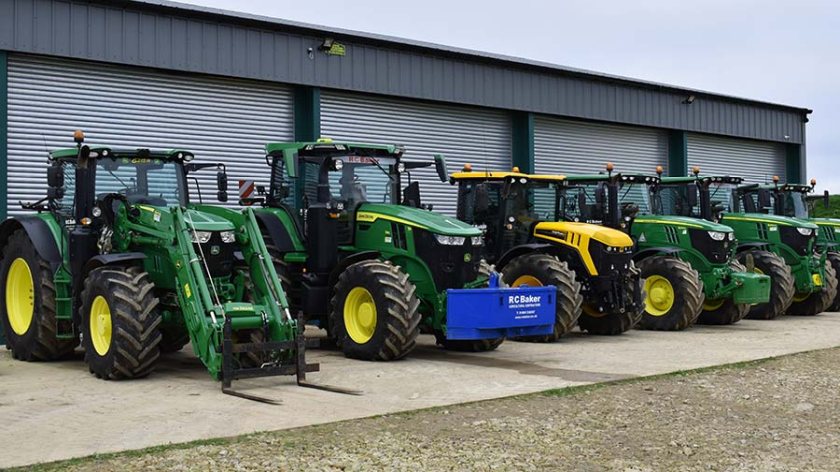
<point x="365" y="259"/>
<point x="119" y="257"/>
<point x="526" y="239"/>
<point x="774" y="218"/>
<point x="688" y="265"/>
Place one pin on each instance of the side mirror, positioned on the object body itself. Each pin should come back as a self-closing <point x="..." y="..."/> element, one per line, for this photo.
<point x="482" y="198"/>
<point x="290" y="161"/>
<point x="411" y="195"/>
<point x="764" y="200"/>
<point x="440" y="167"/>
<point x="55" y="176"/>
<point x="826" y="200"/>
<point x="222" y="185"/>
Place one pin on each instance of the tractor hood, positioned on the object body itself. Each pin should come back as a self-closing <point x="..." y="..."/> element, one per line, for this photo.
<point x="685" y="221"/>
<point x="602" y="234"/>
<point x="199" y="220"/>
<point x="417" y="218"/>
<point x="825" y="221"/>
<point x="769" y="219"/>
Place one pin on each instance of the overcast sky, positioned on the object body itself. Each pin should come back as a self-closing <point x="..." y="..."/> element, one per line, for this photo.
<point x="780" y="51"/>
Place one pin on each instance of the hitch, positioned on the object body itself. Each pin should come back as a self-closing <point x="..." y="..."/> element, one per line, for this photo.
<point x="298" y="368"/>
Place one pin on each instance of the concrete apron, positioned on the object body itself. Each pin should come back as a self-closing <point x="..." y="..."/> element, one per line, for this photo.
<point x="66" y="412"/>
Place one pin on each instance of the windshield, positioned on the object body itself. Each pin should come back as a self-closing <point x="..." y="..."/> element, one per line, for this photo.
<point x="635" y="194"/>
<point x="585" y="202"/>
<point x="141" y="180"/>
<point x="795" y="205"/>
<point x="353" y="179"/>
<point x="677" y="200"/>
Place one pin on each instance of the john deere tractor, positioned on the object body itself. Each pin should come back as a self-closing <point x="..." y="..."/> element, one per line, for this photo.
<point x="363" y="258"/>
<point x="773" y="218"/>
<point x="688" y="265"/>
<point x="118" y="256"/>
<point x="529" y="242"/>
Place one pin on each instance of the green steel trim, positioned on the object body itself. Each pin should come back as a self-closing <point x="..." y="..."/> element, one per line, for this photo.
<point x="677" y="153"/>
<point x="307" y="113"/>
<point x="522" y="141"/>
<point x="793" y="163"/>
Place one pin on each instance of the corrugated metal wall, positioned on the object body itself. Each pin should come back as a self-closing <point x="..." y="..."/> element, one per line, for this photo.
<point x="755" y="161"/>
<point x="478" y="136"/>
<point x="220" y="120"/>
<point x="177" y="38"/>
<point x="567" y="146"/>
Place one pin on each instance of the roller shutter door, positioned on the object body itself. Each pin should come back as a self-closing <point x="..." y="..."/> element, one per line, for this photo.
<point x="218" y="119"/>
<point x="755" y="161"/>
<point x="463" y="134"/>
<point x="567" y="146"/>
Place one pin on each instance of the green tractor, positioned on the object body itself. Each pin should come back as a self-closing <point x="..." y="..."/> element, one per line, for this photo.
<point x="529" y="243"/>
<point x="688" y="265"/>
<point x="363" y="258"/>
<point x="775" y="218"/>
<point x="119" y="257"/>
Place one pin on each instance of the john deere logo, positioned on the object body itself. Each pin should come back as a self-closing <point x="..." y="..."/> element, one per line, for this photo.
<point x="467" y="257"/>
<point x="215" y="250"/>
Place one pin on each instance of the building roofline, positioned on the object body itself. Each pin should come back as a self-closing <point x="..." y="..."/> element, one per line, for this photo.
<point x="219" y="14"/>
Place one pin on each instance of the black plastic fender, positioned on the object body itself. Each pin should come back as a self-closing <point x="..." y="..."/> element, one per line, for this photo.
<point x="102" y="260"/>
<point x="751" y="246"/>
<point x="348" y="261"/>
<point x="278" y="232"/>
<point x="39" y="233"/>
<point x="655" y="251"/>
<point x="520" y="250"/>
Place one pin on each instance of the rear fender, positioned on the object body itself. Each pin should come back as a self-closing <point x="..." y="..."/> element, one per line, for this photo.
<point x="348" y="261"/>
<point x="752" y="246"/>
<point x="39" y="232"/>
<point x="120" y="260"/>
<point x="521" y="250"/>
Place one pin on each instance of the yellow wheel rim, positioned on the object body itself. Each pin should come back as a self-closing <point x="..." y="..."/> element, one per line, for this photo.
<point x="818" y="281"/>
<point x="758" y="271"/>
<point x="360" y="315"/>
<point x="528" y="280"/>
<point x="20" y="296"/>
<point x="712" y="305"/>
<point x="660" y="295"/>
<point x="801" y="297"/>
<point x="100" y="325"/>
<point x="591" y="311"/>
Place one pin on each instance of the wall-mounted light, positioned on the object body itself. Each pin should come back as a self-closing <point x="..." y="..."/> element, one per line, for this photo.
<point x="689" y="100"/>
<point x="326" y="45"/>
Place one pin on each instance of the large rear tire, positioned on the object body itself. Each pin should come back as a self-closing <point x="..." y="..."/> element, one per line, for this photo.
<point x="834" y="259"/>
<point x="673" y="294"/>
<point x="375" y="312"/>
<point x="29" y="309"/>
<point x="538" y="269"/>
<point x="724" y="311"/>
<point x="120" y="323"/>
<point x="817" y="302"/>
<point x="781" y="284"/>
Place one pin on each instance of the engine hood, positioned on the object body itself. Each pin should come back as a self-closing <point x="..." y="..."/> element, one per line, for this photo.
<point x="688" y="222"/>
<point x="825" y="221"/>
<point x="417" y="218"/>
<point x="198" y="220"/>
<point x="602" y="234"/>
<point x="769" y="219"/>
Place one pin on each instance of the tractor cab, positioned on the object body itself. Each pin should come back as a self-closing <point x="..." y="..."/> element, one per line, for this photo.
<point x="609" y="199"/>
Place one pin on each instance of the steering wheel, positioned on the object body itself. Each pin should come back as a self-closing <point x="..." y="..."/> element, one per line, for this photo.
<point x="629" y="209"/>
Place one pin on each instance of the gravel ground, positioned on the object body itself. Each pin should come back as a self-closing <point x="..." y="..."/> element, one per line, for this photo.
<point x="777" y="415"/>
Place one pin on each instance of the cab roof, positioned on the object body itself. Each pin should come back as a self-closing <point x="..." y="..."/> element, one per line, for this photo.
<point x="107" y="151"/>
<point x="725" y="179"/>
<point x="479" y="175"/>
<point x="330" y="147"/>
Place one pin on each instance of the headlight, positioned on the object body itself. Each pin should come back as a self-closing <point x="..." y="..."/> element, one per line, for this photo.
<point x="477" y="240"/>
<point x="401" y="167"/>
<point x="339" y="164"/>
<point x="201" y="237"/>
<point x="450" y="240"/>
<point x="717" y="235"/>
<point x="732" y="236"/>
<point x="804" y="231"/>
<point x="96" y="212"/>
<point x="228" y="236"/>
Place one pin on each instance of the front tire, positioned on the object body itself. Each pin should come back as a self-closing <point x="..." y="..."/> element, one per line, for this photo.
<point x="724" y="311"/>
<point x="538" y="269"/>
<point x="120" y="323"/>
<point x="817" y="302"/>
<point x="834" y="259"/>
<point x="29" y="309"/>
<point x="673" y="294"/>
<point x="781" y="284"/>
<point x="375" y="312"/>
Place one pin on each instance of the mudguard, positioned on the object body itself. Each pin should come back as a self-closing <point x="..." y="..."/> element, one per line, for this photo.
<point x="111" y="259"/>
<point x="751" y="246"/>
<point x="520" y="250"/>
<point x="280" y="237"/>
<point x="39" y="233"/>
<point x="655" y="251"/>
<point x="348" y="261"/>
